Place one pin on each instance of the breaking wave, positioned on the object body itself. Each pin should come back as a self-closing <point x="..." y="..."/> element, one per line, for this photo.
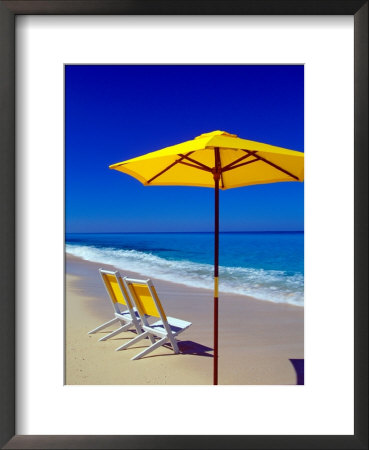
<point x="273" y="285"/>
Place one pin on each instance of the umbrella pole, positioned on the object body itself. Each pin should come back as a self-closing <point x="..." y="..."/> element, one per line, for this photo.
<point x="216" y="263"/>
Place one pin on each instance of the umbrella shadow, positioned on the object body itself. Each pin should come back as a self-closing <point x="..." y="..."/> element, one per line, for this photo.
<point x="298" y="365"/>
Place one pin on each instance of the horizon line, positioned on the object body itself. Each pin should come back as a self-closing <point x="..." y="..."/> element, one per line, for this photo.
<point x="178" y="232"/>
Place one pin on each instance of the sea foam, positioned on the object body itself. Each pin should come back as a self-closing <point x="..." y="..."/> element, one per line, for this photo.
<point x="273" y="285"/>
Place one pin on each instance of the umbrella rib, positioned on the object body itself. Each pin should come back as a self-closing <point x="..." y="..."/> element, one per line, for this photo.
<point x="168" y="167"/>
<point x="198" y="163"/>
<point x="240" y="165"/>
<point x="273" y="165"/>
<point x="194" y="166"/>
<point x="230" y="166"/>
<point x="277" y="167"/>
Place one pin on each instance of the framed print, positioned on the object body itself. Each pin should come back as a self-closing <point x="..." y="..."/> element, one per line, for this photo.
<point x="182" y="249"/>
<point x="79" y="78"/>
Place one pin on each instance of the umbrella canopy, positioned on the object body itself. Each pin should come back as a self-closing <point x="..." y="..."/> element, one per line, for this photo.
<point x="193" y="163"/>
<point x="219" y="160"/>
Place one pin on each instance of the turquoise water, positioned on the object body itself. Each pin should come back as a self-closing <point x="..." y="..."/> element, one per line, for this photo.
<point x="269" y="266"/>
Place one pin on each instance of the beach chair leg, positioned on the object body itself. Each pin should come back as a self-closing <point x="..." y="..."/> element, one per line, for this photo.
<point x="104" y="325"/>
<point x="174" y="344"/>
<point x="139" y="331"/>
<point x="152" y="347"/>
<point x="114" y="333"/>
<point x="132" y="341"/>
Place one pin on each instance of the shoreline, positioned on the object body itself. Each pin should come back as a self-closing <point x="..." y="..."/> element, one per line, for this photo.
<point x="135" y="274"/>
<point x="258" y="339"/>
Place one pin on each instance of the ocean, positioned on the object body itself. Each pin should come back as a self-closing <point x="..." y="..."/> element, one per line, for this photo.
<point x="265" y="265"/>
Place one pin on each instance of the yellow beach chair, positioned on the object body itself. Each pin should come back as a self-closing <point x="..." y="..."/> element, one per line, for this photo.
<point x="124" y="311"/>
<point x="143" y="294"/>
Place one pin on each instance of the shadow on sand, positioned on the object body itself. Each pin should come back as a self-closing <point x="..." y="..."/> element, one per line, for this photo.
<point x="185" y="347"/>
<point x="193" y="348"/>
<point x="298" y="365"/>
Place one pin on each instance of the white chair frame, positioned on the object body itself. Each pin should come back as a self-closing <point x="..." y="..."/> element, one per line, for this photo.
<point x="166" y="329"/>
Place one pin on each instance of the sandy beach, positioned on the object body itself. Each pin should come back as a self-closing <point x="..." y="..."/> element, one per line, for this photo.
<point x="260" y="342"/>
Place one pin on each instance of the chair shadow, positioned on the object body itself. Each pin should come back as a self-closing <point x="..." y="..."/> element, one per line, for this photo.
<point x="194" y="348"/>
<point x="298" y="365"/>
<point x="185" y="348"/>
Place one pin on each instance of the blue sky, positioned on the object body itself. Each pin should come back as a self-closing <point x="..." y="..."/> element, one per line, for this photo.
<point x="113" y="113"/>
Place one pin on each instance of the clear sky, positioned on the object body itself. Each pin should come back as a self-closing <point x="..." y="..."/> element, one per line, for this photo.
<point x="113" y="113"/>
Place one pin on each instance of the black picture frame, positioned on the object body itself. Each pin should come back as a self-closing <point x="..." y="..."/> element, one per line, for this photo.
<point x="8" y="12"/>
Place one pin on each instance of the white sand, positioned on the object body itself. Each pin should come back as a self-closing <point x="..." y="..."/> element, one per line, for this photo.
<point x="257" y="339"/>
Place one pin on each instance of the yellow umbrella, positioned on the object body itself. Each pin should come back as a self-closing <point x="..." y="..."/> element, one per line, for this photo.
<point x="222" y="161"/>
